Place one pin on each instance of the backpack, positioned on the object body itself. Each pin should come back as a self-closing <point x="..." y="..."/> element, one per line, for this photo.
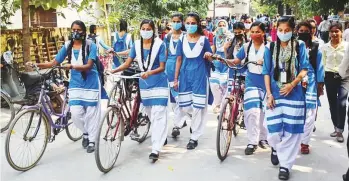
<point x="121" y="42"/>
<point x="93" y="38"/>
<point x="99" y="65"/>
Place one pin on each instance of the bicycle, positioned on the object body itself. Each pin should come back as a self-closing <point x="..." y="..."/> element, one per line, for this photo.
<point x="231" y="113"/>
<point x="121" y="118"/>
<point x="42" y="115"/>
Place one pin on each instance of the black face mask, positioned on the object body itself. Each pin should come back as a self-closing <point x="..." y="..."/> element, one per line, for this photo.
<point x="306" y="37"/>
<point x="204" y="26"/>
<point x="77" y="35"/>
<point x="239" y="36"/>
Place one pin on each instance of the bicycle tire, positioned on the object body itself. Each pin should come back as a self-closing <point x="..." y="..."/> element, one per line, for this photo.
<point x="68" y="131"/>
<point x="239" y="119"/>
<point x="44" y="121"/>
<point x="222" y="117"/>
<point x="12" y="112"/>
<point x="119" y="125"/>
<point x="141" y="119"/>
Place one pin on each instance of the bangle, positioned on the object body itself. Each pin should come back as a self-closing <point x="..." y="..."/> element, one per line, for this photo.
<point x="291" y="84"/>
<point x="269" y="95"/>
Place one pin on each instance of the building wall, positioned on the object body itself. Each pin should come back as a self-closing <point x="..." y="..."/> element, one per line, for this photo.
<point x="239" y="7"/>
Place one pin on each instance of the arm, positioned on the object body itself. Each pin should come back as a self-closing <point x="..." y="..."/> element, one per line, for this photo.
<point x="213" y="46"/>
<point x="239" y="56"/>
<point x="178" y="67"/>
<point x="128" y="61"/>
<point x="267" y="69"/>
<point x="58" y="59"/>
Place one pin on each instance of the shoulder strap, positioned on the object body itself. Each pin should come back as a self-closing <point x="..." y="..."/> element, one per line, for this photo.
<point x="272" y="45"/>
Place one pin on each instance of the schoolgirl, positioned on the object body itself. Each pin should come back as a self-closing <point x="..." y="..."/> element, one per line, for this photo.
<point x="150" y="53"/>
<point x="122" y="43"/>
<point x="315" y="82"/>
<point x="255" y="89"/>
<point x="192" y="75"/>
<point x="283" y="71"/>
<point x="171" y="41"/>
<point x="218" y="80"/>
<point x="85" y="90"/>
<point x="231" y="48"/>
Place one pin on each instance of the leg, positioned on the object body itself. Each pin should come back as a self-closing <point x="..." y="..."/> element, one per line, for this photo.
<point x="309" y="125"/>
<point x="92" y="119"/>
<point x="159" y="127"/>
<point x="331" y="90"/>
<point x="288" y="148"/>
<point x="198" y="123"/>
<point x="252" y="117"/>
<point x="180" y="115"/>
<point x="342" y="108"/>
<point x="263" y="134"/>
<point x="77" y="114"/>
<point x="216" y="91"/>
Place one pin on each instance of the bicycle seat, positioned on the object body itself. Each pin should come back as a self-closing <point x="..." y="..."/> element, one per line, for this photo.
<point x="30" y="78"/>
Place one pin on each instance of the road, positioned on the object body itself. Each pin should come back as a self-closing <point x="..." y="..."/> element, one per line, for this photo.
<point x="65" y="160"/>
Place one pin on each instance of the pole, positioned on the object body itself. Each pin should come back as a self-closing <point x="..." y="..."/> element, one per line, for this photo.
<point x="26" y="31"/>
<point x="214" y="10"/>
<point x="107" y="22"/>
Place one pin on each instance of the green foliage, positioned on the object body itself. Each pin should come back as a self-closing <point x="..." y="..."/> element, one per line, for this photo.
<point x="264" y="8"/>
<point x="8" y="9"/>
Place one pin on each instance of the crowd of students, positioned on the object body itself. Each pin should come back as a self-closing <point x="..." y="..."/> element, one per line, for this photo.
<point x="281" y="94"/>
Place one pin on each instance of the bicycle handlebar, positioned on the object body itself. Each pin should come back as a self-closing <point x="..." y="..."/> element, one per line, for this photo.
<point x="135" y="76"/>
<point x="234" y="67"/>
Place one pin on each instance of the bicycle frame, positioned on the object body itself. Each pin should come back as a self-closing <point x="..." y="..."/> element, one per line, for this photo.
<point x="45" y="107"/>
<point x="235" y="98"/>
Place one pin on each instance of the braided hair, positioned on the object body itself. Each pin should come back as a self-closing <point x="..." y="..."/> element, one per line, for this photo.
<point x="152" y="25"/>
<point x="262" y="27"/>
<point x="71" y="44"/>
<point x="240" y="26"/>
<point x="291" y="23"/>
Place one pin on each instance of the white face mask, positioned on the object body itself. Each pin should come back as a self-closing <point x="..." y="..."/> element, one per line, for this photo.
<point x="247" y="26"/>
<point x="146" y="34"/>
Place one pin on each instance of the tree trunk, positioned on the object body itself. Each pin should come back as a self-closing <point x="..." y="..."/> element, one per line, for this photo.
<point x="280" y="8"/>
<point x="26" y="30"/>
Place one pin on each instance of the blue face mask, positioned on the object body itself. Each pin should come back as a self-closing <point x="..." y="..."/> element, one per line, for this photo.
<point x="191" y="29"/>
<point x="146" y="34"/>
<point x="284" y="37"/>
<point x="176" y="26"/>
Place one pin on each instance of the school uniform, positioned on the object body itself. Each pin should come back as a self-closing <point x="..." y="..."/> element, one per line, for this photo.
<point x="194" y="90"/>
<point x="171" y="45"/>
<point x="286" y="121"/>
<point x="84" y="94"/>
<point x="312" y="100"/>
<point x="154" y="90"/>
<point x="218" y="79"/>
<point x="254" y="94"/>
<point x="121" y="44"/>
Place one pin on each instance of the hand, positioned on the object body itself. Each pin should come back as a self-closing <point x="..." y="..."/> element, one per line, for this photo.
<point x="68" y="66"/>
<point x="260" y="62"/>
<point x="271" y="102"/>
<point x="286" y="90"/>
<point x="227" y="45"/>
<point x="175" y="85"/>
<point x="1" y="65"/>
<point x="29" y="64"/>
<point x="110" y="50"/>
<point x="208" y="55"/>
<point x="145" y="75"/>
<point x="320" y="90"/>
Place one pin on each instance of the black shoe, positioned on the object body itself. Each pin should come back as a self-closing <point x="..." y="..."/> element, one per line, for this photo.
<point x="274" y="157"/>
<point x="184" y="124"/>
<point x="284" y="174"/>
<point x="250" y="149"/>
<point x="263" y="144"/>
<point x="91" y="147"/>
<point x="192" y="144"/>
<point x="242" y="125"/>
<point x="85" y="141"/>
<point x="175" y="132"/>
<point x="154" y="156"/>
<point x="165" y="142"/>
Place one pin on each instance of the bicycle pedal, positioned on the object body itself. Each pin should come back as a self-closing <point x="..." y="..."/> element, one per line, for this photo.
<point x="134" y="136"/>
<point x="51" y="139"/>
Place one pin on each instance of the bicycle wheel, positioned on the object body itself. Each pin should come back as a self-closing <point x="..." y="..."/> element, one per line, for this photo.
<point x="142" y="127"/>
<point x="7" y="112"/>
<point x="114" y="95"/>
<point x="72" y="131"/>
<point x="224" y="134"/>
<point x="27" y="139"/>
<point x="109" y="138"/>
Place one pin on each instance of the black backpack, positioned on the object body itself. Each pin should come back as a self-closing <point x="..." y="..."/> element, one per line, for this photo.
<point x="93" y="38"/>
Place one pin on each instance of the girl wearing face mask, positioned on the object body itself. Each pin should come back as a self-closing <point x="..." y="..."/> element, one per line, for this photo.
<point x="284" y="68"/>
<point x="192" y="75"/>
<point x="85" y="90"/>
<point x="150" y="53"/>
<point x="255" y="89"/>
<point x="248" y="23"/>
<point x="171" y="41"/>
<point x="333" y="55"/>
<point x="315" y="82"/>
<point x="231" y="48"/>
<point x="218" y="80"/>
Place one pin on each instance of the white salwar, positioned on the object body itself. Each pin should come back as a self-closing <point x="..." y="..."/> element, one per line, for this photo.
<point x="309" y="125"/>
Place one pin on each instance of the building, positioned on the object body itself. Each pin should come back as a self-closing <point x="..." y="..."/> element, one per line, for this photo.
<point x="229" y="8"/>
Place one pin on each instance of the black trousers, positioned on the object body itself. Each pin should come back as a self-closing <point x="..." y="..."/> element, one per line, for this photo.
<point x="337" y="98"/>
<point x="325" y="36"/>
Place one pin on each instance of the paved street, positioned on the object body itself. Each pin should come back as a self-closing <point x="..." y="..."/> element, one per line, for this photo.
<point x="67" y="161"/>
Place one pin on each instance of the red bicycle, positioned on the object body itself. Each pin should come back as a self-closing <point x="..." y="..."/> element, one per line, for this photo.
<point x="231" y="112"/>
<point x="123" y="117"/>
